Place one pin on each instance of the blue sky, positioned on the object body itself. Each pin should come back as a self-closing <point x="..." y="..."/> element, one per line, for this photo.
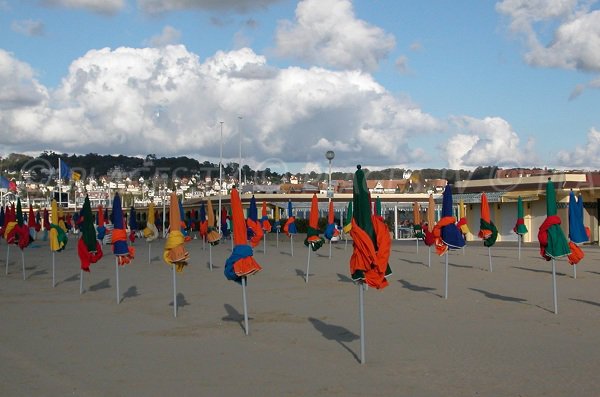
<point x="383" y="83"/>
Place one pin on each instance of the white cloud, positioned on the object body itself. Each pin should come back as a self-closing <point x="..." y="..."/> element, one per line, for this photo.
<point x="488" y="141"/>
<point x="575" y="31"/>
<point x="241" y="6"/>
<point x="20" y="88"/>
<point x="402" y="64"/>
<point x="587" y="156"/>
<point x="28" y="27"/>
<point x="169" y="35"/>
<point x="166" y="101"/>
<point x="327" y="33"/>
<point x="108" y="7"/>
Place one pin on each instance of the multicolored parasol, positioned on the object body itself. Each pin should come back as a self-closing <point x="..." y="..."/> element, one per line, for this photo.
<point x="203" y="223"/>
<point x="369" y="263"/>
<point x="289" y="228"/>
<point x="553" y="243"/>
<point x="266" y="225"/>
<point x="313" y="240"/>
<point x="150" y="231"/>
<point x="372" y="242"/>
<point x="254" y="229"/>
<point x="487" y="230"/>
<point x="212" y="235"/>
<point x="577" y="232"/>
<point x="121" y="249"/>
<point x="241" y="263"/>
<point x="331" y="230"/>
<point x="462" y="220"/>
<point x="133" y="225"/>
<point x="174" y="253"/>
<point x="520" y="227"/>
<point x="88" y="247"/>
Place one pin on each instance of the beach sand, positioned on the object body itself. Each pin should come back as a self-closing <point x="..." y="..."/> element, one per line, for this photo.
<point x="495" y="335"/>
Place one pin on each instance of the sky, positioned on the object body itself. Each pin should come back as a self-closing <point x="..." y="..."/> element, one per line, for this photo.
<point x="382" y="83"/>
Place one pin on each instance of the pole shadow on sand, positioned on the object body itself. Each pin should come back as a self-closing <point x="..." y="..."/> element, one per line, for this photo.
<point x="336" y="333"/>
<point x="234" y="316"/>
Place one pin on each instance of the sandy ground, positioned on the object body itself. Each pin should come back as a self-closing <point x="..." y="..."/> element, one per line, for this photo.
<point x="495" y="335"/>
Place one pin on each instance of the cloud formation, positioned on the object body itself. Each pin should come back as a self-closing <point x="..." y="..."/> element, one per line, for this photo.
<point x="108" y="7"/>
<point x="587" y="156"/>
<point x="28" y="27"/>
<point x="327" y="33"/>
<point x="240" y="6"/>
<point x="169" y="35"/>
<point x="488" y="141"/>
<point x="574" y="29"/>
<point x="164" y="100"/>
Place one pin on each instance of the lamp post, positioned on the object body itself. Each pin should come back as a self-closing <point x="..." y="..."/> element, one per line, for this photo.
<point x="240" y="162"/>
<point x="220" y="177"/>
<point x="329" y="155"/>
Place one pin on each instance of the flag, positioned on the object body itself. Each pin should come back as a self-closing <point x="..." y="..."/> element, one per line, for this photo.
<point x="67" y="173"/>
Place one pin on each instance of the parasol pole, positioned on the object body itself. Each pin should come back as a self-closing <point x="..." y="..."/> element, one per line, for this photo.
<point x="117" y="272"/>
<point x="7" y="254"/>
<point x="203" y="243"/>
<point x="277" y="230"/>
<point x="329" y="249"/>
<point x="23" y="262"/>
<point x="519" y="239"/>
<point x="174" y="291"/>
<point x="417" y="239"/>
<point x="53" y="272"/>
<point x="149" y="252"/>
<point x="265" y="243"/>
<point x="361" y="307"/>
<point x="575" y="271"/>
<point x="245" y="305"/>
<point x="446" y="277"/>
<point x="308" y="263"/>
<point x="554" y="286"/>
<point x="429" y="263"/>
<point x="210" y="256"/>
<point x="490" y="256"/>
<point x="291" y="244"/>
<point x="80" y="282"/>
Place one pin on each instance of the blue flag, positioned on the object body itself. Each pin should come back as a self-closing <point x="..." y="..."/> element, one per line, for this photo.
<point x="65" y="172"/>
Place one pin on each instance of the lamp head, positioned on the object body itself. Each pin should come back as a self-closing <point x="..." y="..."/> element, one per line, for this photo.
<point x="329" y="155"/>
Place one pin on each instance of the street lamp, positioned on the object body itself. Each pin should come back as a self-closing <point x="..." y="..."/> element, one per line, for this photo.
<point x="329" y="155"/>
<point x="240" y="163"/>
<point x="220" y="177"/>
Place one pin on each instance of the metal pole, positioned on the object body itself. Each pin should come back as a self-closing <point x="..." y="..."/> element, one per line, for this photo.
<point x="554" y="286"/>
<point x="362" y="321"/>
<point x="220" y="177"/>
<point x="307" y="263"/>
<point x="245" y="305"/>
<point x="117" y="271"/>
<point x="53" y="272"/>
<point x="174" y="290"/>
<point x="396" y="222"/>
<point x="23" y="262"/>
<point x="240" y="162"/>
<point x="446" y="278"/>
<point x="490" y="256"/>
<point x="7" y="254"/>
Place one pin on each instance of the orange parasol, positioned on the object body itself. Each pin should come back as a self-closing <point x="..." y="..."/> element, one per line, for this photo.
<point x="312" y="236"/>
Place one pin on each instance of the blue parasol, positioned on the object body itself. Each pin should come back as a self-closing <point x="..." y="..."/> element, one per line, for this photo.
<point x="577" y="233"/>
<point x="451" y="234"/>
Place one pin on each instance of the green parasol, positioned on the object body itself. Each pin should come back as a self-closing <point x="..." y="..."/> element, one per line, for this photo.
<point x="556" y="244"/>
